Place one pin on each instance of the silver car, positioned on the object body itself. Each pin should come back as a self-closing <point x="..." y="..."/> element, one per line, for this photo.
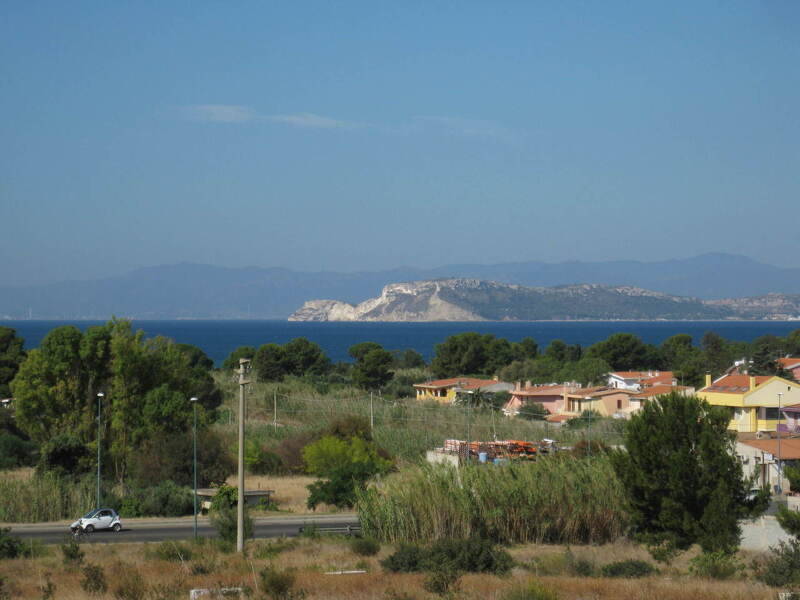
<point x="99" y="518"/>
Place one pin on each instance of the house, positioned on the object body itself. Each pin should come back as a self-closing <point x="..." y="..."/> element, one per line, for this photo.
<point x="446" y="390"/>
<point x="768" y="459"/>
<point x="791" y="364"/>
<point x="550" y="396"/>
<point x="638" y="400"/>
<point x="637" y="380"/>
<point x="752" y="399"/>
<point x="604" y="400"/>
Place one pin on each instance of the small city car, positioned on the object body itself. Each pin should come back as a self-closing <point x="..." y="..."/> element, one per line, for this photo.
<point x="94" y="520"/>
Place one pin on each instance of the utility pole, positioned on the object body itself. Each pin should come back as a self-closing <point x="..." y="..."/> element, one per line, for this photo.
<point x="275" y="409"/>
<point x="778" y="427"/>
<point x="244" y="364"/>
<point x="194" y="461"/>
<point x="99" y="400"/>
<point x="371" y="417"/>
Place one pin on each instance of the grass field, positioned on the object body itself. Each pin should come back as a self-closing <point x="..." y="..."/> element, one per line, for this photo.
<point x="311" y="559"/>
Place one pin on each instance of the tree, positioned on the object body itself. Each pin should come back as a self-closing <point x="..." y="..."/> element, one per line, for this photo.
<point x="623" y="351"/>
<point x="409" y="359"/>
<point x="269" y="363"/>
<point x="462" y="354"/>
<point x="360" y="350"/>
<point x="372" y="370"/>
<point x="718" y="353"/>
<point x="793" y="343"/>
<point x="232" y="361"/>
<point x="526" y="348"/>
<point x="302" y="357"/>
<point x="682" y="478"/>
<point x="11" y="357"/>
<point x="196" y="356"/>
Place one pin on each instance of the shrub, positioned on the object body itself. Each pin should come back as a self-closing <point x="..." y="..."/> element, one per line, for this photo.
<point x="226" y="497"/>
<point x="278" y="585"/>
<point x="16" y="452"/>
<point x="471" y="556"/>
<point x="94" y="580"/>
<point x="715" y="565"/>
<point x="47" y="588"/>
<point x="173" y="551"/>
<point x="365" y="546"/>
<point x="72" y="554"/>
<point x="578" y="566"/>
<point x="65" y="455"/>
<point x="532" y="590"/>
<point x="271" y="548"/>
<point x="261" y="461"/>
<point x="630" y="569"/>
<point x="129" y="585"/>
<point x="290" y="451"/>
<point x="408" y="558"/>
<point x="783" y="567"/>
<point x="5" y="589"/>
<point x="10" y="546"/>
<point x="224" y="521"/>
<point x="442" y="581"/>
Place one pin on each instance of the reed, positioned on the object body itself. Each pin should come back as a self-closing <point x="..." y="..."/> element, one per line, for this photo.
<point x="553" y="500"/>
<point x="43" y="497"/>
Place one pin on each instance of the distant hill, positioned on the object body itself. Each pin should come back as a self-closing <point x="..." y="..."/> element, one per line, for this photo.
<point x="203" y="291"/>
<point x="476" y="300"/>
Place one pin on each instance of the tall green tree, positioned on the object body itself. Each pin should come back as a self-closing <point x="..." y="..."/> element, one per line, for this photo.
<point x="269" y="363"/>
<point x="232" y="361"/>
<point x="373" y="368"/>
<point x="682" y="478"/>
<point x="624" y="352"/>
<point x="11" y="356"/>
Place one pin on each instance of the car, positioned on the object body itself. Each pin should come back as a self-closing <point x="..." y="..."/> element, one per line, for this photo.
<point x="99" y="518"/>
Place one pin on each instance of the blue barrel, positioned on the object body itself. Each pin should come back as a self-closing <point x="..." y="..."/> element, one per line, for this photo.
<point x="482" y="456"/>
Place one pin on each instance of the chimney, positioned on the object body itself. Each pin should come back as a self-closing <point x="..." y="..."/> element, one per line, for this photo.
<point x="517" y="386"/>
<point x="752" y="383"/>
<point x="528" y="383"/>
<point x="496" y="378"/>
<point x="708" y="379"/>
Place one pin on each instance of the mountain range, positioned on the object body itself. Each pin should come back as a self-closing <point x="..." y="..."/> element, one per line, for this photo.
<point x="195" y="291"/>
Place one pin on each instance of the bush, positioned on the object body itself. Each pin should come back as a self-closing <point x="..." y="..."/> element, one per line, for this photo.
<point x="272" y="548"/>
<point x="129" y="585"/>
<point x="715" y="565"/>
<point x="533" y="590"/>
<point x="290" y="451"/>
<point x="630" y="569"/>
<point x="10" y="546"/>
<point x="172" y="551"/>
<point x="224" y="521"/>
<point x="261" y="461"/>
<point x="365" y="546"/>
<point x="783" y="567"/>
<point x="71" y="553"/>
<point x="442" y="581"/>
<point x="408" y="558"/>
<point x="470" y="556"/>
<point x="65" y="455"/>
<point x="278" y="585"/>
<point x="578" y="566"/>
<point x="5" y="589"/>
<point x="167" y="499"/>
<point x="94" y="580"/>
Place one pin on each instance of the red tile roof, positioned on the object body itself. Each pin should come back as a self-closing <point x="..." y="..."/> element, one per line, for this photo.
<point x="659" y="390"/>
<point x="465" y="383"/>
<point x="543" y="390"/>
<point x="735" y="384"/>
<point x="789" y="362"/>
<point x="642" y="374"/>
<point x="790" y="447"/>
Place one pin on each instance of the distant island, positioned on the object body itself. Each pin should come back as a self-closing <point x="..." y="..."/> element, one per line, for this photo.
<point x="463" y="299"/>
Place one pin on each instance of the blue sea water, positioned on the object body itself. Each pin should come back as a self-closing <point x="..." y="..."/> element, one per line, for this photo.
<point x="219" y="338"/>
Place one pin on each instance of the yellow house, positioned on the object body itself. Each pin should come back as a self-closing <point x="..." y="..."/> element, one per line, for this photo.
<point x="446" y="390"/>
<point x="752" y="399"/>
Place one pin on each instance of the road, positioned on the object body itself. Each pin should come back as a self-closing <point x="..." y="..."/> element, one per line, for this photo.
<point x="157" y="530"/>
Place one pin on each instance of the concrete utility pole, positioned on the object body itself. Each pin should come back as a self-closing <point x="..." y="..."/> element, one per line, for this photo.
<point x="275" y="409"/>
<point x="244" y="365"/>
<point x="371" y="417"/>
<point x="193" y="401"/>
<point x="99" y="400"/>
<point x="778" y="427"/>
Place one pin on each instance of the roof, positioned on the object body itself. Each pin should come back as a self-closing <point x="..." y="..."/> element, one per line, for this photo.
<point x="642" y="374"/>
<point x="544" y="390"/>
<point x="559" y="418"/>
<point x="599" y="391"/>
<point x="790" y="447"/>
<point x="735" y="384"/>
<point x="465" y="383"/>
<point x="660" y="390"/>
<point x="789" y="362"/>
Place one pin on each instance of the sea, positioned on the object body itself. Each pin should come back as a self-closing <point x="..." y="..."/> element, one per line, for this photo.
<point x="218" y="338"/>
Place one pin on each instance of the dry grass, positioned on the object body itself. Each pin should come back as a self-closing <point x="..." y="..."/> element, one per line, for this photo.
<point x="313" y="558"/>
<point x="21" y="474"/>
<point x="290" y="495"/>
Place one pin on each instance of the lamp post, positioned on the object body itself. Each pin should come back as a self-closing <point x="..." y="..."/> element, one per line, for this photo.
<point x="100" y="396"/>
<point x="193" y="400"/>
<point x="778" y="427"/>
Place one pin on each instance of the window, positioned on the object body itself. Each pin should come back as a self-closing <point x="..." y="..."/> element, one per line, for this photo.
<point x="771" y="414"/>
<point x="619" y="404"/>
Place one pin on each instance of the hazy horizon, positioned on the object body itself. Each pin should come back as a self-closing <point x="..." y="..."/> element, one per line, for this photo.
<point x="364" y="137"/>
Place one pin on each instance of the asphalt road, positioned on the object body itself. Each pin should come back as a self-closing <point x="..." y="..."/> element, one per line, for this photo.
<point x="157" y="530"/>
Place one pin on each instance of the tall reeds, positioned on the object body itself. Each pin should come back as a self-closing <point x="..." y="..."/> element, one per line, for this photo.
<point x="555" y="500"/>
<point x="43" y="498"/>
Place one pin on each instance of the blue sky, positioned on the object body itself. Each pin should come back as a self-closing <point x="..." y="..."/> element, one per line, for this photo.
<point x="349" y="136"/>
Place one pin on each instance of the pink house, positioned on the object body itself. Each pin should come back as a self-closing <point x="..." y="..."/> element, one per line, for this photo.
<point x="791" y="364"/>
<point x="550" y="396"/>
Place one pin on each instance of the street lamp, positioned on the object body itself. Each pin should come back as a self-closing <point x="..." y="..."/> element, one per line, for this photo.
<point x="778" y="427"/>
<point x="100" y="396"/>
<point x="193" y="400"/>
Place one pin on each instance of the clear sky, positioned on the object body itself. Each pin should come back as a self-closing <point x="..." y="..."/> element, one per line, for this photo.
<point x="366" y="135"/>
